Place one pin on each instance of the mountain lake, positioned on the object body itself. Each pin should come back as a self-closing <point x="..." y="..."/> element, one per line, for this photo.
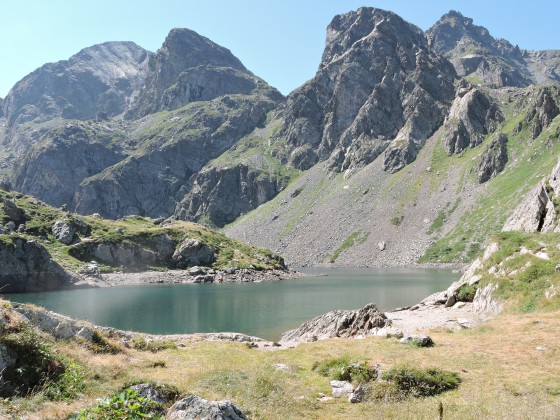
<point x="260" y="309"/>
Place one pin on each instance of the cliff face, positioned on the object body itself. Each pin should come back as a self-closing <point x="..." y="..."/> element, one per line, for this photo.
<point x="379" y="88"/>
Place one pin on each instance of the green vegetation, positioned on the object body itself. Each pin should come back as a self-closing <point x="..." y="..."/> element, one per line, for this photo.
<point x="124" y="405"/>
<point x="397" y="220"/>
<point x="342" y="369"/>
<point x="131" y="231"/>
<point x="530" y="283"/>
<point x="356" y="237"/>
<point x="417" y="382"/>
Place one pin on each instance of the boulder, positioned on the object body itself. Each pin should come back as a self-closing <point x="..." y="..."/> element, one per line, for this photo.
<point x="13" y="212"/>
<point x="339" y="323"/>
<point x="419" y="340"/>
<point x="341" y="388"/>
<point x="193" y="252"/>
<point x="194" y="407"/>
<point x="64" y="231"/>
<point x="359" y="394"/>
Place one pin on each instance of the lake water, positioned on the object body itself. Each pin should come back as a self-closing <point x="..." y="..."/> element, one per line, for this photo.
<point x="260" y="309"/>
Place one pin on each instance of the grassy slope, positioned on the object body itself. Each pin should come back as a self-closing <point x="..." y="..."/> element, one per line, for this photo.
<point x="133" y="230"/>
<point x="503" y="374"/>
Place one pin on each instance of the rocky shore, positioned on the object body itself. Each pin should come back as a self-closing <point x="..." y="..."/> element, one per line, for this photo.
<point x="195" y="275"/>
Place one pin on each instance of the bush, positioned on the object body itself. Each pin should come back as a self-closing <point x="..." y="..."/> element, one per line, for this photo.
<point x="67" y="386"/>
<point x="36" y="363"/>
<point x="342" y="369"/>
<point x="466" y="293"/>
<point x="421" y="382"/>
<point x="102" y="345"/>
<point x="124" y="405"/>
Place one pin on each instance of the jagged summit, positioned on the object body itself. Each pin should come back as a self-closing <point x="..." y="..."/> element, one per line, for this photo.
<point x="380" y="87"/>
<point x="476" y="54"/>
<point x="98" y="79"/>
<point x="188" y="68"/>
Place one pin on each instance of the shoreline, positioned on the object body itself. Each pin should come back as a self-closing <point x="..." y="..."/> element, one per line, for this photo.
<point x="200" y="275"/>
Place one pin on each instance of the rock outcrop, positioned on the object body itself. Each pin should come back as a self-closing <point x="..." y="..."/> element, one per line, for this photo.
<point x="99" y="80"/>
<point x="472" y="116"/>
<point x="26" y="266"/>
<point x="339" y="323"/>
<point x="379" y="87"/>
<point x="493" y="160"/>
<point x="543" y="111"/>
<point x="221" y="195"/>
<point x="194" y="407"/>
<point x="537" y="212"/>
<point x="192" y="252"/>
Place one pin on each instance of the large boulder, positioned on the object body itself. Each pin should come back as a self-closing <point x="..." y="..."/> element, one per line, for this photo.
<point x="26" y="266"/>
<point x="194" y="407"/>
<point x="193" y="252"/>
<point x="63" y="231"/>
<point x="339" y="323"/>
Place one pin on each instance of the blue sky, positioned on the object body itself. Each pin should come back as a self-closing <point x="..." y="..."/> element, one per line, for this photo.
<point x="280" y="41"/>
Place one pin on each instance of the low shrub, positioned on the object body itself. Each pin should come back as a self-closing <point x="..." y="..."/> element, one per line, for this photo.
<point x="102" y="345"/>
<point x="466" y="293"/>
<point x="419" y="382"/>
<point x="342" y="369"/>
<point x="124" y="405"/>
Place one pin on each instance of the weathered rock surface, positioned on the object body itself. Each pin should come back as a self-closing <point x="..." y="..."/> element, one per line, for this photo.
<point x="194" y="407"/>
<point x="15" y="214"/>
<point x="99" y="79"/>
<point x="379" y="86"/>
<point x="26" y="266"/>
<point x="544" y="110"/>
<point x="221" y="195"/>
<point x="193" y="252"/>
<point x="56" y="165"/>
<point x="493" y="160"/>
<point x="339" y="323"/>
<point x="537" y="212"/>
<point x="472" y="116"/>
<point x="341" y="388"/>
<point x="63" y="231"/>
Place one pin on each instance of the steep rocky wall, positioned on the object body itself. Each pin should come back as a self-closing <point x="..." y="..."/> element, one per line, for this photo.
<point x="379" y="87"/>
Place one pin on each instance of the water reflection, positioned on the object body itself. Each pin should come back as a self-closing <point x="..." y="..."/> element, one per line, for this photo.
<point x="264" y="310"/>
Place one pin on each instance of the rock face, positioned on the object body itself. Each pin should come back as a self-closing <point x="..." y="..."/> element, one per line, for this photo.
<point x="493" y="160"/>
<point x="99" y="80"/>
<point x="57" y="164"/>
<point x="221" y="195"/>
<point x="151" y="181"/>
<point x="28" y="267"/>
<point x="543" y="111"/>
<point x="472" y="116"/>
<point x="379" y="87"/>
<point x="194" y="407"/>
<point x="495" y="62"/>
<point x="339" y="323"/>
<point x="537" y="212"/>
<point x="188" y="68"/>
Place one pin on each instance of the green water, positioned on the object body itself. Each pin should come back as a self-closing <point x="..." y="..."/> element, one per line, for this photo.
<point x="260" y="309"/>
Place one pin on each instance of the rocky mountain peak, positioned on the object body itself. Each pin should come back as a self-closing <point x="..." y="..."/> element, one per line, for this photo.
<point x="188" y="68"/>
<point x="380" y="87"/>
<point x="185" y="48"/>
<point x="99" y="79"/>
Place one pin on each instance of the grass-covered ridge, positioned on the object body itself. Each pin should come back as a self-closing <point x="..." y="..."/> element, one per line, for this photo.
<point x="132" y="232"/>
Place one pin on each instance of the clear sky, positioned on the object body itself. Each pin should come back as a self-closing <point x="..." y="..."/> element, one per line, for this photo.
<point x="280" y="41"/>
